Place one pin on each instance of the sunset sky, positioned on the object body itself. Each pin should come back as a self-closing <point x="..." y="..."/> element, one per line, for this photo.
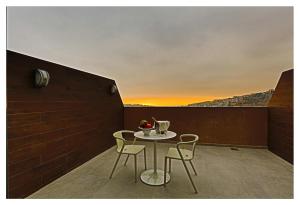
<point x="162" y="55"/>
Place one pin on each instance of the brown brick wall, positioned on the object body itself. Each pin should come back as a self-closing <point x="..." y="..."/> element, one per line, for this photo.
<point x="281" y="111"/>
<point x="52" y="130"/>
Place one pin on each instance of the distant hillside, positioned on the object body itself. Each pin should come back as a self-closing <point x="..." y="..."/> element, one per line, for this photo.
<point x="254" y="99"/>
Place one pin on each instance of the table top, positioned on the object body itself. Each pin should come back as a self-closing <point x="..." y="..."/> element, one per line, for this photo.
<point x="154" y="136"/>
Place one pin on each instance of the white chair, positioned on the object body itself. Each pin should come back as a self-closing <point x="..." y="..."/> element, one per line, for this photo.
<point x="123" y="148"/>
<point x="183" y="154"/>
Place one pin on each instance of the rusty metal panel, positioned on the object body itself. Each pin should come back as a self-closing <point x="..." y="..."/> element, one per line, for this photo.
<point x="281" y="113"/>
<point x="54" y="129"/>
<point x="246" y="126"/>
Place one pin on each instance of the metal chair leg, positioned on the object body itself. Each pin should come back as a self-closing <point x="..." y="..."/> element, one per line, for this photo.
<point x="187" y="171"/>
<point x="145" y="159"/>
<point x="115" y="165"/>
<point x="126" y="160"/>
<point x="193" y="167"/>
<point x="135" y="168"/>
<point x="169" y="165"/>
<point x="165" y="171"/>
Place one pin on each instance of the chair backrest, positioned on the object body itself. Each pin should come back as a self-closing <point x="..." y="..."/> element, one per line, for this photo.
<point x="120" y="139"/>
<point x="192" y="141"/>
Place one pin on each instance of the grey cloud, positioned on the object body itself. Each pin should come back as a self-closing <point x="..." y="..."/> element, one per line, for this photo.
<point x="189" y="50"/>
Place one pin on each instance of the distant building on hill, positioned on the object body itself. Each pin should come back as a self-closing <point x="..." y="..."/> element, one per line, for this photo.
<point x="254" y="99"/>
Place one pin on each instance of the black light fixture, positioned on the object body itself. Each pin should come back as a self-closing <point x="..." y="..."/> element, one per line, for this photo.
<point x="113" y="89"/>
<point x="41" y="78"/>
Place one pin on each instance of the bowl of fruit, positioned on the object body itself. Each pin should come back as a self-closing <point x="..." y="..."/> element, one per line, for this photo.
<point x="146" y="127"/>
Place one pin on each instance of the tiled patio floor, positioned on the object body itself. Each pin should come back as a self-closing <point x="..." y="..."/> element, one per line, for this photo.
<point x="222" y="173"/>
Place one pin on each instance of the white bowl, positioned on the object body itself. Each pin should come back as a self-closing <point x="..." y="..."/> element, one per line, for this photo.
<point x="146" y="131"/>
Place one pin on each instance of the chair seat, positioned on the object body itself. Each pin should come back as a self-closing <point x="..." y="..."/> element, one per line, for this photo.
<point x="133" y="149"/>
<point x="173" y="153"/>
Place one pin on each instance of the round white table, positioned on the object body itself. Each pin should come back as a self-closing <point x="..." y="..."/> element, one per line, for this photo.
<point x="154" y="176"/>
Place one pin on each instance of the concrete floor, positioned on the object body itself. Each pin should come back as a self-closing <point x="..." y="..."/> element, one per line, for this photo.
<point x="222" y="173"/>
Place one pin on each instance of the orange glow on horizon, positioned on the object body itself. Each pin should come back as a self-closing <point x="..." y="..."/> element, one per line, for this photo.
<point x="168" y="101"/>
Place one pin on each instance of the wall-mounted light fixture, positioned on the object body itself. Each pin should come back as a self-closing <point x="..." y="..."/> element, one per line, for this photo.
<point x="41" y="78"/>
<point x="113" y="89"/>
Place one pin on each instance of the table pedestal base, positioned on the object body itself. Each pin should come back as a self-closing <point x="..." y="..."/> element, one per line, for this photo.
<point x="156" y="179"/>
